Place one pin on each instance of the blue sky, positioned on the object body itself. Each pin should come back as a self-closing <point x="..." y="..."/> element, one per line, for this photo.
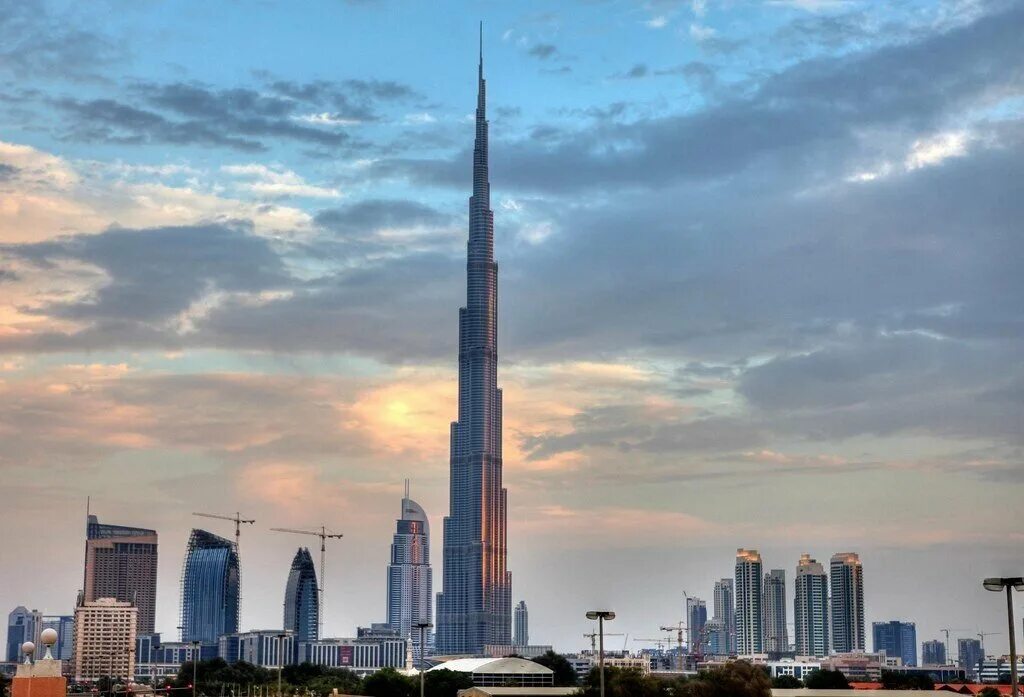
<point x="759" y="288"/>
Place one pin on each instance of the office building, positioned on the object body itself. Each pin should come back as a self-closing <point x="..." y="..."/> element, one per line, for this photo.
<point x="410" y="578"/>
<point x="847" y="603"/>
<point x="773" y="607"/>
<point x="372" y="649"/>
<point x="717" y="638"/>
<point x="522" y="625"/>
<point x="749" y="592"/>
<point x="810" y="608"/>
<point x="725" y="612"/>
<point x="933" y="653"/>
<point x="970" y="656"/>
<point x="696" y="626"/>
<point x="104" y="639"/>
<point x="22" y="625"/>
<point x="120" y="563"/>
<point x="210" y="592"/>
<point x="267" y="648"/>
<point x="64" y="625"/>
<point x="302" y="598"/>
<point x="897" y="639"/>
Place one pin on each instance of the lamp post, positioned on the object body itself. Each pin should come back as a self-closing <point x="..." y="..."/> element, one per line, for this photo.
<point x="195" y="666"/>
<point x="280" y="662"/>
<point x="995" y="585"/>
<point x="423" y="627"/>
<point x="601" y="616"/>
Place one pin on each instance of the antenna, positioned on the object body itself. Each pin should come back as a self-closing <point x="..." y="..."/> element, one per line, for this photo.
<point x="481" y="42"/>
<point x="406" y="488"/>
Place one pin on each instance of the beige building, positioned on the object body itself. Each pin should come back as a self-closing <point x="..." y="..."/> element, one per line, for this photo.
<point x="104" y="639"/>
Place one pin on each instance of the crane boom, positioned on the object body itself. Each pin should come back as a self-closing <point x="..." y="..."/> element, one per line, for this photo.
<point x="324" y="536"/>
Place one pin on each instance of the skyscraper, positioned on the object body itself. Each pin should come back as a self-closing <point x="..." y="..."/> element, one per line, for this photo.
<point x="522" y="625"/>
<point x="104" y="639"/>
<point x="475" y="605"/>
<point x="847" y="610"/>
<point x="120" y="563"/>
<point x="897" y="639"/>
<point x="696" y="621"/>
<point x="969" y="655"/>
<point x="302" y="598"/>
<point x="933" y="653"/>
<point x="210" y="594"/>
<point x="22" y="625"/>
<point x="725" y="613"/>
<point x="410" y="578"/>
<point x="810" y="608"/>
<point x="776" y="636"/>
<point x="749" y="618"/>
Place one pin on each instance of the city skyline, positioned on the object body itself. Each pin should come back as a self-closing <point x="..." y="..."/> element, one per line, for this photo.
<point x="768" y="308"/>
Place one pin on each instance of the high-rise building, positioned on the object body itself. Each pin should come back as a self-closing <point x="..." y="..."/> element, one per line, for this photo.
<point x="773" y="605"/>
<point x="749" y="618"/>
<point x="475" y="605"/>
<point x="725" y="612"/>
<point x="810" y="608"/>
<point x="846" y="578"/>
<point x="897" y="639"/>
<point x="410" y="578"/>
<point x="64" y="625"/>
<point x="521" y="637"/>
<point x="302" y="598"/>
<point x="210" y="591"/>
<point x="969" y="655"/>
<point x="933" y="653"/>
<point x="22" y="625"/>
<point x="717" y="638"/>
<point x="120" y="562"/>
<point x="104" y="639"/>
<point x="696" y="625"/>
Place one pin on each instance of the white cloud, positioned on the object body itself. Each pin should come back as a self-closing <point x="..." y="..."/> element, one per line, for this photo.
<point x="700" y="32"/>
<point x="325" y="118"/>
<point x="699" y="7"/>
<point x="658" y="22"/>
<point x="420" y="118"/>
<point x="277" y="182"/>
<point x="926" y="152"/>
<point x="811" y="5"/>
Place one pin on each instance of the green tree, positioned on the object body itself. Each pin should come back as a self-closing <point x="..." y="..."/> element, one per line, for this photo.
<point x="565" y="674"/>
<point x="388" y="683"/>
<point x="787" y="682"/>
<point x="445" y="683"/>
<point x="989" y="692"/>
<point x="735" y="679"/>
<point x="824" y="679"/>
<point x="342" y="679"/>
<point x="891" y="680"/>
<point x="622" y="682"/>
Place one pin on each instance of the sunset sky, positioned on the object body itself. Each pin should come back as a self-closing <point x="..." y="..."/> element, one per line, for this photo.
<point x="760" y="287"/>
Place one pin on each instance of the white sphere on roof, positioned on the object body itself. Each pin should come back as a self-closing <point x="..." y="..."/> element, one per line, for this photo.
<point x="49" y="636"/>
<point x="28" y="647"/>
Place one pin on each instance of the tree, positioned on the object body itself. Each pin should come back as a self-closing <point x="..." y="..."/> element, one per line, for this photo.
<point x="342" y="679"/>
<point x="735" y="679"/>
<point x="388" y="683"/>
<point x="989" y="692"/>
<point x="4" y="682"/>
<point x="446" y="683"/>
<point x="565" y="674"/>
<point x="787" y="682"/>
<point x="824" y="679"/>
<point x="891" y="680"/>
<point x="621" y="682"/>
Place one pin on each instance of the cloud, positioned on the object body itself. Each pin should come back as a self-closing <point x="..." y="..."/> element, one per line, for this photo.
<point x="277" y="182"/>
<point x="543" y="51"/>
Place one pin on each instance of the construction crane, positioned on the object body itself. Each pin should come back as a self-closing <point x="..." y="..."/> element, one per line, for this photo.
<point x="593" y="639"/>
<point x="237" y="519"/>
<point x="946" y="631"/>
<point x="679" y="627"/>
<point x="324" y="536"/>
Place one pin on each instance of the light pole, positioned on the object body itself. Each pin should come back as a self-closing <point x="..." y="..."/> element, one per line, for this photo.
<point x="601" y="616"/>
<point x="280" y="662"/>
<point x="423" y="627"/>
<point x="995" y="585"/>
<point x="195" y="666"/>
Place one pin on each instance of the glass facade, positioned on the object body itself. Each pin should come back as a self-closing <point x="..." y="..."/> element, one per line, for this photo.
<point x="410" y="578"/>
<point x="810" y="608"/>
<point x="302" y="598"/>
<point x="210" y="590"/>
<point x="847" y="584"/>
<point x="897" y="639"/>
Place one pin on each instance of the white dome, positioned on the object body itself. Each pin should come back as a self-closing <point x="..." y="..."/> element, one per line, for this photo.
<point x="49" y="636"/>
<point x="28" y="647"/>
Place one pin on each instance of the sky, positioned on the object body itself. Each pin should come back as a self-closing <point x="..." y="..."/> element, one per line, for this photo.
<point x="759" y="287"/>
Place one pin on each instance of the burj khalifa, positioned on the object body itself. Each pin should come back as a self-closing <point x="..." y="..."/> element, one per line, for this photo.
<point x="475" y="606"/>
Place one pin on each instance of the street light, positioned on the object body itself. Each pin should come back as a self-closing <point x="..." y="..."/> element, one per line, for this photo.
<point x="195" y="664"/>
<point x="422" y="626"/>
<point x="995" y="585"/>
<point x="601" y="616"/>
<point x="280" y="662"/>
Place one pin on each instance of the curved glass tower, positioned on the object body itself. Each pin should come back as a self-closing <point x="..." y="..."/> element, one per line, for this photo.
<point x="475" y="606"/>
<point x="210" y="591"/>
<point x="410" y="579"/>
<point x="301" y="598"/>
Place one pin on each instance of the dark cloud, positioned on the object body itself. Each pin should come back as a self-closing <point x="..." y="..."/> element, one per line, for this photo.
<point x="543" y="51"/>
<point x="375" y="214"/>
<point x="7" y="171"/>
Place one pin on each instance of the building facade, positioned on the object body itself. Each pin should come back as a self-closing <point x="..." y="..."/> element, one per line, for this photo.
<point x="847" y="603"/>
<point x="302" y="598"/>
<point x="933" y="653"/>
<point x="120" y="563"/>
<point x="521" y="635"/>
<point x="749" y="592"/>
<point x="210" y="590"/>
<point x="969" y="656"/>
<point x="810" y="608"/>
<point x="410" y="578"/>
<point x="696" y="626"/>
<point x="104" y="639"/>
<point x="773" y="607"/>
<point x="22" y="625"/>
<point x="896" y="638"/>
<point x="475" y="605"/>
<point x="725" y="612"/>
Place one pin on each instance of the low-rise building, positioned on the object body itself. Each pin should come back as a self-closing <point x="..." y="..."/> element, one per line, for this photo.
<point x="503" y="650"/>
<point x="501" y="672"/>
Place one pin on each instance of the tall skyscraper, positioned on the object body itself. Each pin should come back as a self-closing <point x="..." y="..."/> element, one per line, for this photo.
<point x="475" y="605"/>
<point x="302" y="598"/>
<point x="696" y="622"/>
<point x="725" y="612"/>
<point x="104" y="639"/>
<point x="120" y="563"/>
<point x="847" y="609"/>
<point x="210" y="592"/>
<point x="717" y="637"/>
<point x="969" y="655"/>
<point x="897" y="639"/>
<point x="773" y="605"/>
<point x="933" y="653"/>
<point x="522" y="625"/>
<point x="410" y="578"/>
<point x="22" y="625"/>
<point x="749" y="618"/>
<point x="810" y="608"/>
